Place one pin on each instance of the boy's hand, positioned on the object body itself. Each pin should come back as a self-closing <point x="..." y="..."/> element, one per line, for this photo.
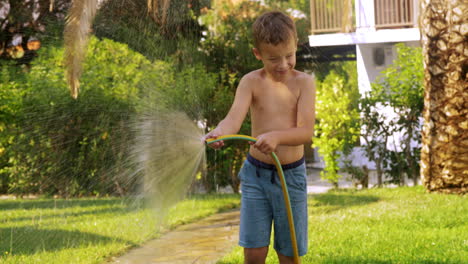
<point x="266" y="143"/>
<point x="214" y="134"/>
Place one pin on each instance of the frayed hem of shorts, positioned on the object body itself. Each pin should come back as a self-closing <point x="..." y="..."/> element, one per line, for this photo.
<point x="292" y="253"/>
<point x="245" y="245"/>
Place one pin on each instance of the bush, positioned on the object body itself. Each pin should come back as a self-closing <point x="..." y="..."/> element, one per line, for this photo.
<point x="401" y="87"/>
<point x="11" y="97"/>
<point x="53" y="144"/>
<point x="337" y="127"/>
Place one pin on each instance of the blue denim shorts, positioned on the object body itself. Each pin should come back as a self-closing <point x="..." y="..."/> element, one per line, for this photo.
<point x="262" y="204"/>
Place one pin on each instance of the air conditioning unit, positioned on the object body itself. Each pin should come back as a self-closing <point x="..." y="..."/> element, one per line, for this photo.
<point x="382" y="56"/>
<point x="378" y="56"/>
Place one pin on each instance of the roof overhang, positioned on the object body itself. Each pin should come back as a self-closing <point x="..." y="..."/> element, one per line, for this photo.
<point x="367" y="37"/>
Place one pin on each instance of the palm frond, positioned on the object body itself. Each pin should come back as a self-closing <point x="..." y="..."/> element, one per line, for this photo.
<point x="155" y="8"/>
<point x="76" y="36"/>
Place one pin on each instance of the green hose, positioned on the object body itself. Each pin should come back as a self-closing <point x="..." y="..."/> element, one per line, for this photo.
<point x="283" y="185"/>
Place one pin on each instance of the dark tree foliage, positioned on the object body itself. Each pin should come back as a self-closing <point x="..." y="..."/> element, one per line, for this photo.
<point x="145" y="31"/>
<point x="25" y="25"/>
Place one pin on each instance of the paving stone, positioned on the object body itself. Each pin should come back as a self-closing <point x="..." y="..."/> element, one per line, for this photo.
<point x="205" y="241"/>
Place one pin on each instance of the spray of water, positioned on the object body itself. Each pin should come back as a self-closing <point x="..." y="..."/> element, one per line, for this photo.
<point x="153" y="154"/>
<point x="169" y="152"/>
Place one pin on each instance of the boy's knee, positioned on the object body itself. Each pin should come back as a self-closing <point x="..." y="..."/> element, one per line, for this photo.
<point x="285" y="259"/>
<point x="255" y="255"/>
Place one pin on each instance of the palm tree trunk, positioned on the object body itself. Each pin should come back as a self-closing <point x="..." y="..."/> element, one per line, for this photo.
<point x="444" y="154"/>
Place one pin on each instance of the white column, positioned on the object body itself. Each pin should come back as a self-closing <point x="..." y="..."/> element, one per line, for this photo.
<point x="365" y="17"/>
<point x="363" y="75"/>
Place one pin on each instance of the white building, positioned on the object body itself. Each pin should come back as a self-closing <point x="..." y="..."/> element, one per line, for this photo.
<point x="377" y="26"/>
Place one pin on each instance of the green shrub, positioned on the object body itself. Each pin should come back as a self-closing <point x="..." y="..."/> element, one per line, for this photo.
<point x="57" y="145"/>
<point x="11" y="97"/>
<point x="337" y="127"/>
<point x="400" y="86"/>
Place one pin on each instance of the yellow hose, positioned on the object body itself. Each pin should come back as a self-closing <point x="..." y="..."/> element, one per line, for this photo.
<point x="283" y="185"/>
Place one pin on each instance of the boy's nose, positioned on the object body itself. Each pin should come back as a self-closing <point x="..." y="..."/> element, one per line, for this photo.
<point x="284" y="63"/>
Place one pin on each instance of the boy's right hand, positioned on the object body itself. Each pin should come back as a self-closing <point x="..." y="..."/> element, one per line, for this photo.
<point x="214" y="134"/>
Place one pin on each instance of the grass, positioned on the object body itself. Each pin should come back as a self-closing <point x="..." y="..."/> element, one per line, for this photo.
<point x="377" y="226"/>
<point x="403" y="225"/>
<point x="90" y="230"/>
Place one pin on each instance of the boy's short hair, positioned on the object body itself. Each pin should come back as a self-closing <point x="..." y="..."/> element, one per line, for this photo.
<point x="273" y="28"/>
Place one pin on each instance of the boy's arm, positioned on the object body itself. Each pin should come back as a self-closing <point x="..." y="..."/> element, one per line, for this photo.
<point x="236" y="115"/>
<point x="304" y="130"/>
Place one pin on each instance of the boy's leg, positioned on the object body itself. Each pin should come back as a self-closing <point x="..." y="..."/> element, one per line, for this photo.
<point x="255" y="255"/>
<point x="297" y="188"/>
<point x="285" y="259"/>
<point x="256" y="214"/>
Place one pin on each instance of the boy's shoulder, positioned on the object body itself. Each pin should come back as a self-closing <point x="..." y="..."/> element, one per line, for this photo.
<point x="304" y="80"/>
<point x="252" y="79"/>
<point x="254" y="75"/>
<point x="299" y="75"/>
<point x="258" y="76"/>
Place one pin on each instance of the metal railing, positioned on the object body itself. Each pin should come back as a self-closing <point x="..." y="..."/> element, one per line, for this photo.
<point x="329" y="16"/>
<point x="394" y="13"/>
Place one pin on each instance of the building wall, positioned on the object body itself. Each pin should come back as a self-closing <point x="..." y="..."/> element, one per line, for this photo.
<point x="370" y="63"/>
<point x="369" y="68"/>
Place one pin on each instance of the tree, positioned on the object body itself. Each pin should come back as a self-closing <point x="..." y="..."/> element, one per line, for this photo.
<point x="444" y="159"/>
<point x="24" y="24"/>
<point x="401" y="87"/>
<point x="157" y="35"/>
<point x="375" y="131"/>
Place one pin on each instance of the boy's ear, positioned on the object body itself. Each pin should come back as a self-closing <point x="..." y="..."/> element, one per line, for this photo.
<point x="256" y="52"/>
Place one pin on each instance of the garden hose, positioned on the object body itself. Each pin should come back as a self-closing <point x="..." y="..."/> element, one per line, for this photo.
<point x="283" y="185"/>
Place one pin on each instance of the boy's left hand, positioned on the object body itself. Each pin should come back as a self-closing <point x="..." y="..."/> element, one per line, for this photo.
<point x="266" y="143"/>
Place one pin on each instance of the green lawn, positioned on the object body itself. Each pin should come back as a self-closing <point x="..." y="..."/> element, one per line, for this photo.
<point x="89" y="230"/>
<point x="403" y="225"/>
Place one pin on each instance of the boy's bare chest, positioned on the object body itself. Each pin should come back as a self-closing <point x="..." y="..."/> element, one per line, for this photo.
<point x="278" y="99"/>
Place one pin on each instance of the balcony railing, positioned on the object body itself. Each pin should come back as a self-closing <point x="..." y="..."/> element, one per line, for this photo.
<point x="331" y="16"/>
<point x="393" y="13"/>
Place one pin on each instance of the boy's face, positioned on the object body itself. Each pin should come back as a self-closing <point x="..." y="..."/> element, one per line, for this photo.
<point x="279" y="60"/>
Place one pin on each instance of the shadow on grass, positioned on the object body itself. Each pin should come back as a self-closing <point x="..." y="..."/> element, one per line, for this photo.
<point x="58" y="203"/>
<point x="62" y="215"/>
<point x="127" y="202"/>
<point x="334" y="201"/>
<point x="351" y="260"/>
<point x="29" y="240"/>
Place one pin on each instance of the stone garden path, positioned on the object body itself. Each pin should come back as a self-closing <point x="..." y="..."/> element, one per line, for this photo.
<point x="205" y="241"/>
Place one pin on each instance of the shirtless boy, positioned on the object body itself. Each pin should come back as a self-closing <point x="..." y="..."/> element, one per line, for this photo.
<point x="282" y="108"/>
